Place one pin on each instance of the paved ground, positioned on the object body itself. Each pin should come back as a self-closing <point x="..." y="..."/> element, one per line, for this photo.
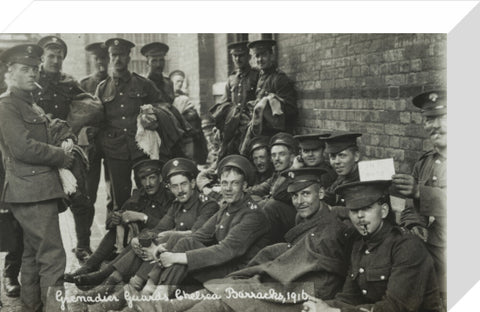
<point x="69" y="241"/>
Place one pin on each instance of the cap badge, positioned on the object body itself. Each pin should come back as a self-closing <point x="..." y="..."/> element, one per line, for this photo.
<point x="54" y="39"/>
<point x="30" y="49"/>
<point x="116" y="42"/>
<point x="433" y="97"/>
<point x="291" y="175"/>
<point x="175" y="163"/>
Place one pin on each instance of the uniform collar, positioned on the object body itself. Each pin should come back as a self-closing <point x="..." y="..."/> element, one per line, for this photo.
<point x="22" y="94"/>
<point x="55" y="77"/>
<point x="377" y="238"/>
<point x="244" y="72"/>
<point x="320" y="212"/>
<point x="158" y="78"/>
<point x="124" y="77"/>
<point x="101" y="75"/>
<point x="239" y="204"/>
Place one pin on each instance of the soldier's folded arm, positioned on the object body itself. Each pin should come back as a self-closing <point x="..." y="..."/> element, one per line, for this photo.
<point x="285" y="90"/>
<point x="239" y="239"/>
<point x="206" y="233"/>
<point x="22" y="146"/>
<point x="206" y="212"/>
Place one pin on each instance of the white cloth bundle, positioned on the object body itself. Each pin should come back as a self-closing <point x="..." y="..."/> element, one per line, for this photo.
<point x="69" y="182"/>
<point x="147" y="140"/>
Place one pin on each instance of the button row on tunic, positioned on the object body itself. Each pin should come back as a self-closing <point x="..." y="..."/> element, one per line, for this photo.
<point x="364" y="292"/>
<point x="181" y="223"/>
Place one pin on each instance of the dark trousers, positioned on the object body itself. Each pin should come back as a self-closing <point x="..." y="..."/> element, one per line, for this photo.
<point x="105" y="250"/>
<point x="13" y="259"/>
<point x="43" y="260"/>
<point x="93" y="178"/>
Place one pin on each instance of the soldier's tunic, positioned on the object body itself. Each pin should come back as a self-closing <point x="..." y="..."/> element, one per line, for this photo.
<point x="90" y="83"/>
<point x="390" y="271"/>
<point x="232" y="113"/>
<point x="262" y="177"/>
<point x="430" y="172"/>
<point x="164" y="85"/>
<point x="180" y="217"/>
<point x="225" y="243"/>
<point x="155" y="207"/>
<point x="122" y="97"/>
<point x="32" y="189"/>
<point x="275" y="81"/>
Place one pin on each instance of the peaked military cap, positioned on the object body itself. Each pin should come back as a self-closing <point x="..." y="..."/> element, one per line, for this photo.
<point x="97" y="48"/>
<point x="146" y="167"/>
<point x="302" y="178"/>
<point x="311" y="141"/>
<point x="154" y="49"/>
<point x="26" y="54"/>
<point x="238" y="48"/>
<point x="241" y="163"/>
<point x="176" y="72"/>
<point x="119" y="45"/>
<point x="339" y="141"/>
<point x="432" y="103"/>
<point x="261" y="45"/>
<point x="358" y="195"/>
<point x="283" y="138"/>
<point x="55" y="41"/>
<point x="179" y="165"/>
<point x="258" y="142"/>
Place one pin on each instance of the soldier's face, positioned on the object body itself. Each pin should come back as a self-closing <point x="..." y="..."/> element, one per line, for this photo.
<point x="282" y="158"/>
<point x="151" y="183"/>
<point x="52" y="60"/>
<point x="312" y="157"/>
<point x="307" y="200"/>
<point x="177" y="81"/>
<point x="233" y="186"/>
<point x="344" y="162"/>
<point x="264" y="59"/>
<point x="181" y="187"/>
<point x="22" y="76"/>
<point x="241" y="61"/>
<point x="436" y="127"/>
<point x="101" y="63"/>
<point x="368" y="219"/>
<point x="156" y="63"/>
<point x="260" y="159"/>
<point x="119" y="61"/>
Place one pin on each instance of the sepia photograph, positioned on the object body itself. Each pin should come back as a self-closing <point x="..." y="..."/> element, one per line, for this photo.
<point x="223" y="171"/>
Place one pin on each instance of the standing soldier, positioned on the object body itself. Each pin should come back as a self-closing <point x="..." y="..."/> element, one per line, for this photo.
<point x="427" y="185"/>
<point x="55" y="96"/>
<point x="100" y="60"/>
<point x="32" y="185"/>
<point x="232" y="113"/>
<point x="275" y="107"/>
<point x="122" y="94"/>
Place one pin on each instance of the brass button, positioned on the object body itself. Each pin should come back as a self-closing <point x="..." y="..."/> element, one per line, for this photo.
<point x="221" y="226"/>
<point x="367" y="252"/>
<point x="364" y="292"/>
<point x="434" y="178"/>
<point x="153" y="206"/>
<point x="228" y="215"/>
<point x="382" y="277"/>
<point x="123" y="117"/>
<point x="361" y="270"/>
<point x="438" y="161"/>
<point x="184" y="210"/>
<point x="181" y="223"/>
<point x="54" y="94"/>
<point x="122" y="105"/>
<point x="33" y="171"/>
<point x="289" y="245"/>
<point x="125" y="130"/>
<point x="121" y="93"/>
<point x="312" y="234"/>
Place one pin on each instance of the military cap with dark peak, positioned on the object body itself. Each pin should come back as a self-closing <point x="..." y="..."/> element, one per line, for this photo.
<point x="238" y="48"/>
<point x="311" y="141"/>
<point x="359" y="195"/>
<point x="154" y="49"/>
<point x="339" y="141"/>
<point x="302" y="178"/>
<point x="179" y="165"/>
<point x="241" y="163"/>
<point x="54" y="41"/>
<point x="283" y="138"/>
<point x="97" y="48"/>
<point x="432" y="103"/>
<point x="258" y="142"/>
<point x="26" y="54"/>
<point x="176" y="72"/>
<point x="146" y="167"/>
<point x="261" y="45"/>
<point x="119" y="45"/>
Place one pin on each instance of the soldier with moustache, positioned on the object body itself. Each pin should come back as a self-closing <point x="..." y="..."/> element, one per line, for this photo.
<point x="32" y="187"/>
<point x="427" y="185"/>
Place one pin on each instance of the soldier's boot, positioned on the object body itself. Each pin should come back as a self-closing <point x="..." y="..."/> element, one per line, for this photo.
<point x="70" y="277"/>
<point x="108" y="287"/>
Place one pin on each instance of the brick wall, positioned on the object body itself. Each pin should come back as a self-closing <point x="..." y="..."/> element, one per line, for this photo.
<point x="364" y="83"/>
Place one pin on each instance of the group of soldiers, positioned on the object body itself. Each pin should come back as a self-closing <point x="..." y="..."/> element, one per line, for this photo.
<point x="274" y="212"/>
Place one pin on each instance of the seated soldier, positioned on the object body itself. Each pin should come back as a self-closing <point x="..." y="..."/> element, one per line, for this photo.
<point x="312" y="148"/>
<point x="142" y="210"/>
<point x="390" y="269"/>
<point x="225" y="243"/>
<point x="315" y="259"/>
<point x="260" y="156"/>
<point x="188" y="212"/>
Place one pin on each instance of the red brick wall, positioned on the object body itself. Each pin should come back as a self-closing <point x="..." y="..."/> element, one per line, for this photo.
<point x="364" y="83"/>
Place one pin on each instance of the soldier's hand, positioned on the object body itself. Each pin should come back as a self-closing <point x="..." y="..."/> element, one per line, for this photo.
<point x="297" y="163"/>
<point x="170" y="258"/>
<point x="159" y="250"/>
<point x="405" y="184"/>
<point x="317" y="305"/>
<point x="136" y="247"/>
<point x="68" y="160"/>
<point x="148" y="253"/>
<point x="421" y="232"/>
<point x="116" y="218"/>
<point x="132" y="216"/>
